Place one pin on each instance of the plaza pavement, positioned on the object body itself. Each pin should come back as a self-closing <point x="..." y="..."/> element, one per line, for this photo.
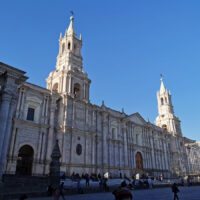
<point x="186" y="193"/>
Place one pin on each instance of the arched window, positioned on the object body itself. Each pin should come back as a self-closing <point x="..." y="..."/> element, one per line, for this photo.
<point x="69" y="45"/>
<point x="30" y="114"/>
<point x="55" y="87"/>
<point x="32" y="109"/>
<point x="63" y="48"/>
<point x="76" y="90"/>
<point x="138" y="135"/>
<point x="25" y="160"/>
<point x="139" y="160"/>
<point x="164" y="126"/>
<point x="162" y="101"/>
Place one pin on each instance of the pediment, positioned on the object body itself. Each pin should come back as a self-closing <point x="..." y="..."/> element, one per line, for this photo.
<point x="33" y="99"/>
<point x="136" y="118"/>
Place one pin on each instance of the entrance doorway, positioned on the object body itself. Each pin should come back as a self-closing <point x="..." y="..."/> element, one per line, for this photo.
<point x="25" y="160"/>
<point x="139" y="161"/>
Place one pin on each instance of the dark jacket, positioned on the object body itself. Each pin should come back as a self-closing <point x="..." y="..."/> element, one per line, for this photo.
<point x="175" y="188"/>
<point x="122" y="193"/>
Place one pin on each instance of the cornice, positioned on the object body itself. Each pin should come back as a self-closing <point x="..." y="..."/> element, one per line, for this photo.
<point x="29" y="123"/>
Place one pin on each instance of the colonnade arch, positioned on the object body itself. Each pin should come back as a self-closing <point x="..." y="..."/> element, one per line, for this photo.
<point x="25" y="160"/>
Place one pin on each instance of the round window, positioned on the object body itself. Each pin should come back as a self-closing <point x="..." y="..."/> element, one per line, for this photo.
<point x="78" y="149"/>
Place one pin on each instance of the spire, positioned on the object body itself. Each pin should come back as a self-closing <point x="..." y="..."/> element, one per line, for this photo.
<point x="162" y="87"/>
<point x="70" y="30"/>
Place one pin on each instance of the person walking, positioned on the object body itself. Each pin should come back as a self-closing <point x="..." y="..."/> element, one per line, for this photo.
<point x="150" y="182"/>
<point x="79" y="189"/>
<point x="61" y="188"/>
<point x="56" y="194"/>
<point x="123" y="193"/>
<point x="120" y="173"/>
<point x="175" y="190"/>
<point x="50" y="190"/>
<point x="188" y="181"/>
<point x="87" y="180"/>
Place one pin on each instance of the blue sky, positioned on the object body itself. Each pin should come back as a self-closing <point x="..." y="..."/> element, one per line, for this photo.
<point x="126" y="46"/>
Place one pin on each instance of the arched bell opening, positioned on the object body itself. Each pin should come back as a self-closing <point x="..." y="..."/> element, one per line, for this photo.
<point x="77" y="90"/>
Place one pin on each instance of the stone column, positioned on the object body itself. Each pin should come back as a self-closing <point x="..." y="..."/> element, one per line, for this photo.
<point x="93" y="149"/>
<point x="84" y="91"/>
<point x="70" y="85"/>
<point x="86" y="150"/>
<point x="104" y="146"/>
<point x="4" y="113"/>
<point x="43" y="149"/>
<point x="51" y="131"/>
<point x="7" y="134"/>
<point x="165" y="155"/>
<point x="11" y="78"/>
<point x="152" y="152"/>
<point x="114" y="152"/>
<point x="21" y="113"/>
<point x="39" y="149"/>
<point x="46" y="111"/>
<point x="19" y="102"/>
<point x="13" y="135"/>
<point x="73" y="113"/>
<point x="43" y="109"/>
<point x="64" y="147"/>
<point x="119" y="154"/>
<point x="125" y="144"/>
<point x="132" y="157"/>
<point x="86" y="117"/>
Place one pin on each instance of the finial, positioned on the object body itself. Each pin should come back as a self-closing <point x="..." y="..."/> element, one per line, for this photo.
<point x="71" y="18"/>
<point x="80" y="38"/>
<point x="72" y="15"/>
<point x="102" y="102"/>
<point x="122" y="110"/>
<point x="70" y="30"/>
<point x="162" y="86"/>
<point x="60" y="35"/>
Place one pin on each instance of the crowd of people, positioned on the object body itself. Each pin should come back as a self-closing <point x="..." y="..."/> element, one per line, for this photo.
<point x="122" y="192"/>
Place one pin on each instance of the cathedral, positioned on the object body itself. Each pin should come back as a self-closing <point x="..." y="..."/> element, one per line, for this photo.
<point x="92" y="138"/>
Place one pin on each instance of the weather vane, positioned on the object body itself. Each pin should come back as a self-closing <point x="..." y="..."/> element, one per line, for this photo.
<point x="72" y="13"/>
<point x="161" y="76"/>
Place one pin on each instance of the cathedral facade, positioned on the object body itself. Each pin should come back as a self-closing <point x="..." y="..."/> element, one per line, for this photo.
<point x="92" y="139"/>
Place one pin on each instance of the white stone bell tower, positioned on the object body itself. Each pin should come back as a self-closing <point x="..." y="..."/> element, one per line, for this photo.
<point x="166" y="118"/>
<point x="69" y="78"/>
